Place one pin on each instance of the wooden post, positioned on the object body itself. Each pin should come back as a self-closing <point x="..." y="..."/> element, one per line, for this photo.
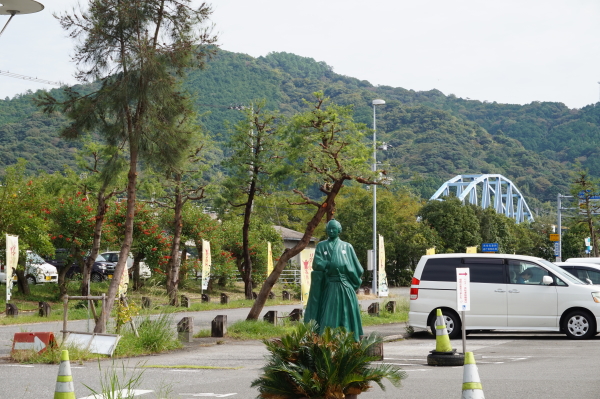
<point x="285" y="295"/>
<point x="146" y="302"/>
<point x="65" y="316"/>
<point x="391" y="307"/>
<point x="44" y="309"/>
<point x="374" y="309"/>
<point x="185" y="329"/>
<point x="224" y="298"/>
<point x="103" y="331"/>
<point x="219" y="326"/>
<point x="296" y="314"/>
<point x="185" y="301"/>
<point x="205" y="298"/>
<point x="271" y="317"/>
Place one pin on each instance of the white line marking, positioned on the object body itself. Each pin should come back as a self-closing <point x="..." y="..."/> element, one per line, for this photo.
<point x="123" y="393"/>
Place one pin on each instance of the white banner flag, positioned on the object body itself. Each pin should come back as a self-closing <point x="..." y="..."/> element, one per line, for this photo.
<point x="206" y="263"/>
<point x="12" y="260"/>
<point x="382" y="288"/>
<point x="306" y="260"/>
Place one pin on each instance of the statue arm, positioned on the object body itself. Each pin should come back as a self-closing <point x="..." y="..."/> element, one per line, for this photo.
<point x="355" y="269"/>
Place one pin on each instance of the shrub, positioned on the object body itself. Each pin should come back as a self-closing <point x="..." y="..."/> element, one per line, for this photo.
<point x="304" y="364"/>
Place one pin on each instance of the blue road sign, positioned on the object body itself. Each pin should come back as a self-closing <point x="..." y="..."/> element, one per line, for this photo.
<point x="489" y="247"/>
<point x="556" y="248"/>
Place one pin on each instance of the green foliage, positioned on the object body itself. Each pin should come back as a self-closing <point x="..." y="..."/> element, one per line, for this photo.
<point x="118" y="382"/>
<point x="305" y="364"/>
<point x="155" y="336"/>
<point x="456" y="224"/>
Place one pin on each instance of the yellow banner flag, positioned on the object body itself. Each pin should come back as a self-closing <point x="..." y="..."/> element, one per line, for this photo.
<point x="12" y="259"/>
<point x="382" y="289"/>
<point x="306" y="260"/>
<point x="471" y="250"/>
<point x="430" y="251"/>
<point x="269" y="259"/>
<point x="206" y="264"/>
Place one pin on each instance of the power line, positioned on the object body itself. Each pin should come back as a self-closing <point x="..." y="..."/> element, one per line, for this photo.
<point x="18" y="76"/>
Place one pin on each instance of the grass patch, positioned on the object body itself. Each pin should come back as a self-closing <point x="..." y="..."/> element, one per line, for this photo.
<point x="250" y="329"/>
<point x="52" y="355"/>
<point x="188" y="366"/>
<point x="155" y="336"/>
<point x="385" y="317"/>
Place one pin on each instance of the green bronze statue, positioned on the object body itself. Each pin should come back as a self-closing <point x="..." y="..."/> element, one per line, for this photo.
<point x="335" y="278"/>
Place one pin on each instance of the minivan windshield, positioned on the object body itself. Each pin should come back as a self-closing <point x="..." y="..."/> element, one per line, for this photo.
<point x="562" y="273"/>
<point x="101" y="258"/>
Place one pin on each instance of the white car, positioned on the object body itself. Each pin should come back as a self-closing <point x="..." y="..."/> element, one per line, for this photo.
<point x="508" y="292"/>
<point x="584" y="270"/>
<point x="113" y="256"/>
<point x="38" y="270"/>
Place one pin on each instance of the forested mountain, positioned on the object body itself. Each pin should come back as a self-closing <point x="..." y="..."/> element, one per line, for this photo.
<point x="433" y="136"/>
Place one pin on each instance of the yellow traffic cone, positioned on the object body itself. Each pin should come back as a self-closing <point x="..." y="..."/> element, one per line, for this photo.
<point x="64" y="381"/>
<point x="442" y="340"/>
<point x="471" y="387"/>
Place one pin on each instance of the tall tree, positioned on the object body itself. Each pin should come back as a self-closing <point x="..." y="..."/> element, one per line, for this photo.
<point x="324" y="148"/>
<point x="136" y="50"/>
<point x="254" y="158"/>
<point x="587" y="189"/>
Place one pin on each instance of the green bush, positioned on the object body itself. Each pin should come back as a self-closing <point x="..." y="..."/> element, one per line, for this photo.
<point x="304" y="364"/>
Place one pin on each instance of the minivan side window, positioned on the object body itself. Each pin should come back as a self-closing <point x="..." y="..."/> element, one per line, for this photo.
<point x="441" y="269"/>
<point x="585" y="272"/>
<point x="482" y="270"/>
<point x="521" y="272"/>
<point x="486" y="270"/>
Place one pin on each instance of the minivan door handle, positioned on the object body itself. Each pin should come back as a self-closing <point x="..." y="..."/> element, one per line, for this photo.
<point x="513" y="291"/>
<point x="500" y="290"/>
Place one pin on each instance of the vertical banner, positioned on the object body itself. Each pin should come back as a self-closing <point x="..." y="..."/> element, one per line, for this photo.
<point x="306" y="260"/>
<point x="206" y="263"/>
<point x="12" y="259"/>
<point x="382" y="289"/>
<point x="269" y="259"/>
<point x="124" y="283"/>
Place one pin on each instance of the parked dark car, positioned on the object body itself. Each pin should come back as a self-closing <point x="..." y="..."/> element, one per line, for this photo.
<point x="100" y="269"/>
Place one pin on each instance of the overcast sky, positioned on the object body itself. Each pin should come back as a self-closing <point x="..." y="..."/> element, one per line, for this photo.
<point x="510" y="51"/>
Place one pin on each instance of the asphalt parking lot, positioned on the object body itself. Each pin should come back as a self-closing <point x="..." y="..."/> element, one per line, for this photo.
<point x="510" y="366"/>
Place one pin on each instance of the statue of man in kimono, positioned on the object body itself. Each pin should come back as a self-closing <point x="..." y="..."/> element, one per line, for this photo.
<point x="335" y="278"/>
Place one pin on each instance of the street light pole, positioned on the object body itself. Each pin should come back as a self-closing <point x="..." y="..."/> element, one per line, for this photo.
<point x="374" y="259"/>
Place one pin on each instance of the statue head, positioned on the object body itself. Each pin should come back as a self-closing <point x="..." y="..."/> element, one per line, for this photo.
<point x="333" y="228"/>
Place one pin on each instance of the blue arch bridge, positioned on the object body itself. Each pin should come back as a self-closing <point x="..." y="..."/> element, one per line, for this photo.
<point x="487" y="191"/>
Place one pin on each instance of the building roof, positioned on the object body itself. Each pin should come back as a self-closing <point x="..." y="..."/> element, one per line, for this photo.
<point x="291" y="235"/>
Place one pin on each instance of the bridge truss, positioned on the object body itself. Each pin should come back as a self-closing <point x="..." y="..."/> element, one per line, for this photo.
<point x="487" y="191"/>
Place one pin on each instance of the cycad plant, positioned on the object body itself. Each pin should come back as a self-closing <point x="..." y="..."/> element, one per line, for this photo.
<point x="332" y="365"/>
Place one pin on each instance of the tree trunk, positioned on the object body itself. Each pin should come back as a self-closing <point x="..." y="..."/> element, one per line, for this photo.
<point x="247" y="261"/>
<point x="22" y="282"/>
<point x="174" y="263"/>
<point x="89" y="262"/>
<point x="137" y="281"/>
<point x="288" y="254"/>
<point x="127" y="240"/>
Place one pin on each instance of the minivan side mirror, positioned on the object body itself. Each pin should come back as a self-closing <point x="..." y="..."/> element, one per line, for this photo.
<point x="589" y="281"/>
<point x="547" y="280"/>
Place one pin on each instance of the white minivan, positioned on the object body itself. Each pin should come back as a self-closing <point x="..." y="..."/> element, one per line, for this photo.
<point x="508" y="292"/>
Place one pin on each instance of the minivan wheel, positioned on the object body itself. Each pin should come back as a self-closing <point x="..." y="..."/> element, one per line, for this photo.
<point x="452" y="324"/>
<point x="30" y="280"/>
<point x="96" y="278"/>
<point x="579" y="325"/>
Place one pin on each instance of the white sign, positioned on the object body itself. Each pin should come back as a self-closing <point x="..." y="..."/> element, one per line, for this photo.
<point x="463" y="289"/>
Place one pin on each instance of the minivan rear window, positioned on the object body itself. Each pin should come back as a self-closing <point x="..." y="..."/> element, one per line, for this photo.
<point x="482" y="270"/>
